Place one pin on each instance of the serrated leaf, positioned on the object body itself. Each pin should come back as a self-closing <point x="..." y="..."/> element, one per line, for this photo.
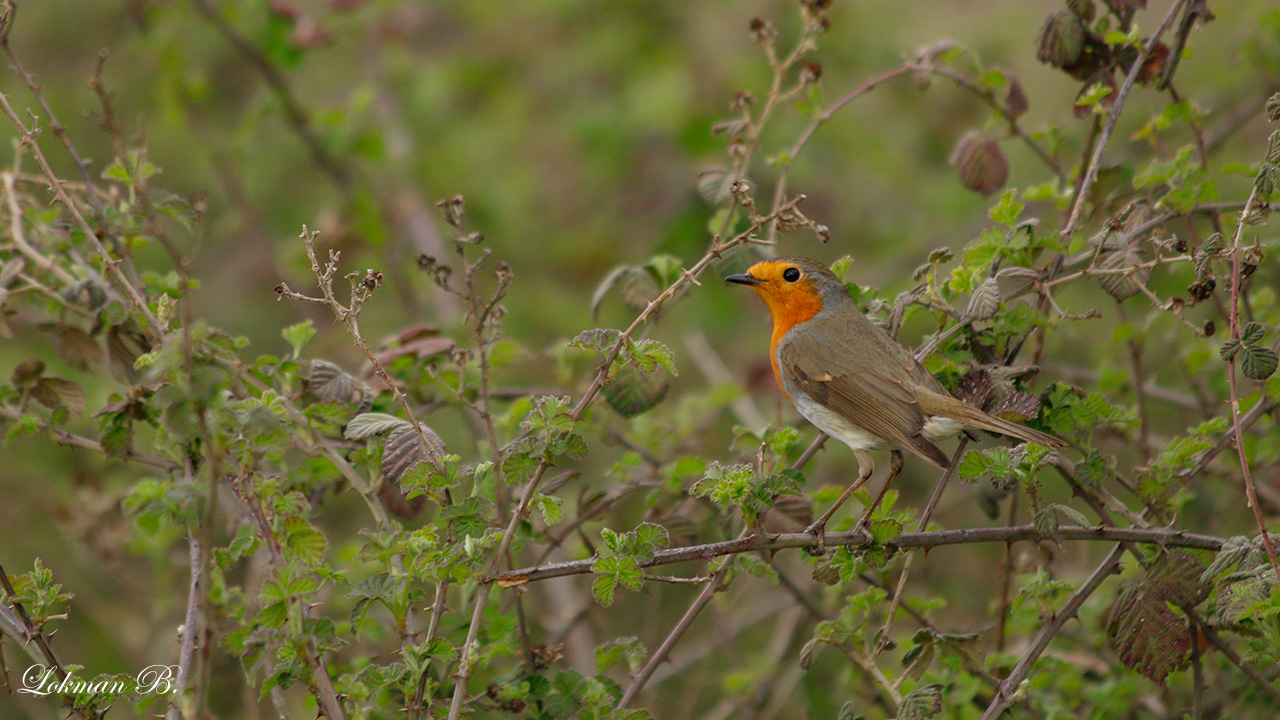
<point x="56" y="392"/>
<point x="1076" y="517"/>
<point x="980" y="163"/>
<point x="633" y="392"/>
<point x="921" y="704"/>
<point x="1119" y="285"/>
<point x="1176" y="578"/>
<point x="26" y="373"/>
<point x="404" y="450"/>
<point x="1251" y="333"/>
<point x="1046" y="522"/>
<point x="598" y="339"/>
<point x="1146" y="635"/>
<point x="328" y="382"/>
<point x="367" y="425"/>
<point x="1229" y="349"/>
<point x="974" y="387"/>
<point x="985" y="301"/>
<point x="847" y="712"/>
<point x="650" y="538"/>
<point x="1259" y="363"/>
<point x="649" y="354"/>
<point x="1016" y="407"/>
<point x="303" y="542"/>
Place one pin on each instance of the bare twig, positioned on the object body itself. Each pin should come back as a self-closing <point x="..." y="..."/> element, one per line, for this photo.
<point x="1009" y="687"/>
<point x="27" y="136"/>
<point x="1250" y="491"/>
<point x="1091" y="174"/>
<point x="660" y="654"/>
<point x="1169" y="537"/>
<point x="293" y="110"/>
<point x="190" y="630"/>
<point x="921" y="526"/>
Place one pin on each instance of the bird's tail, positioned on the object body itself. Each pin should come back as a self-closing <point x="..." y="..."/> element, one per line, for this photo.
<point x="936" y="404"/>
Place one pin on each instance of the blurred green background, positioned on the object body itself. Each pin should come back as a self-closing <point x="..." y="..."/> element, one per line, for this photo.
<point x="575" y="130"/>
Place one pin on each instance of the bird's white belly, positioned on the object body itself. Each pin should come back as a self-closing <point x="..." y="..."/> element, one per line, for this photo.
<point x="835" y="425"/>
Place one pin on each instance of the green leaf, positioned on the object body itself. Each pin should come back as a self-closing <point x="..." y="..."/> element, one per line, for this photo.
<point x="630" y="648"/>
<point x="920" y="704"/>
<point x="1259" y="362"/>
<point x="665" y="269"/>
<point x="366" y="425"/>
<point x="598" y="339"/>
<point x="633" y="392"/>
<point x="303" y="542"/>
<point x="297" y="335"/>
<point x="1229" y="349"/>
<point x="1007" y="211"/>
<point x="648" y="354"/>
<point x="551" y="507"/>
<point x="1251" y="333"/>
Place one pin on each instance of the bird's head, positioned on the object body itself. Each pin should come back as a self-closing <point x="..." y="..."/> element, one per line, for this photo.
<point x="794" y="288"/>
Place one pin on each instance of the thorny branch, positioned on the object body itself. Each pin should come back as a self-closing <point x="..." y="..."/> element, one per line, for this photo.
<point x="1169" y="537"/>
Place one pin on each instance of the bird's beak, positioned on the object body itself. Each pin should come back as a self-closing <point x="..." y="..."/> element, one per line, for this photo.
<point x="744" y="279"/>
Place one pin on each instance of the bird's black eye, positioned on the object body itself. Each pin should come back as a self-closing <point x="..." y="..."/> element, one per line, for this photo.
<point x="791" y="274"/>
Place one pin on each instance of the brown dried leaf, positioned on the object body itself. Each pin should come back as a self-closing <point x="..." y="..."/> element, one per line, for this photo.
<point x="27" y="373"/>
<point x="56" y="392"/>
<point x="1061" y="39"/>
<point x="1016" y="407"/>
<point x="397" y="504"/>
<point x="80" y="349"/>
<point x="1015" y="101"/>
<point x="980" y="163"/>
<point x="404" y="450"/>
<point x="790" y="513"/>
<point x="1176" y="578"/>
<point x="1146" y="635"/>
<point x="974" y="387"/>
<point x="1121" y="286"/>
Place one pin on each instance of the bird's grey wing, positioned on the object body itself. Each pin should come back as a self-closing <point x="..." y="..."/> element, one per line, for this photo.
<point x="873" y="400"/>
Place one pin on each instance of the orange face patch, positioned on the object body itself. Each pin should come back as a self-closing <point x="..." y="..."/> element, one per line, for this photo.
<point x="791" y="298"/>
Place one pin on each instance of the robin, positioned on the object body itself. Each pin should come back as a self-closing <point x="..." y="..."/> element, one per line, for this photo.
<point x="854" y="382"/>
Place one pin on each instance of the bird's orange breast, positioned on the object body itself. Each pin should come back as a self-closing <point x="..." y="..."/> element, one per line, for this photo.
<point x="788" y="309"/>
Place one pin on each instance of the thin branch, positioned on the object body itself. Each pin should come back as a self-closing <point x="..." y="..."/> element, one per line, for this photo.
<point x="25" y="633"/>
<point x="921" y="526"/>
<point x="190" y="627"/>
<point x="660" y="654"/>
<point x="1009" y="687"/>
<point x="1169" y="537"/>
<point x="1250" y="491"/>
<point x="27" y="136"/>
<point x="62" y="437"/>
<point x="1091" y="174"/>
<point x="295" y="115"/>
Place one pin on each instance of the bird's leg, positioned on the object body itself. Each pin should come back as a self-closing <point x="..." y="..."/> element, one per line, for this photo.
<point x="866" y="466"/>
<point x="895" y="467"/>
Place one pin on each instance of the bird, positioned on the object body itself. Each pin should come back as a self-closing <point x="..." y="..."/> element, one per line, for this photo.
<point x="854" y="382"/>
